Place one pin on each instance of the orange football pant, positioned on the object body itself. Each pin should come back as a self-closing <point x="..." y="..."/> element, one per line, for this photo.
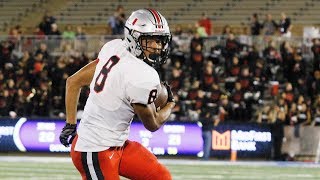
<point x="132" y="161"/>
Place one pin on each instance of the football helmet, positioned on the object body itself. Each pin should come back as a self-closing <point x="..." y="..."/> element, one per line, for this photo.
<point x="146" y="24"/>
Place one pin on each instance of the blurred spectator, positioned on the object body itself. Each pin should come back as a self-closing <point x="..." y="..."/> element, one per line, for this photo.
<point x="4" y="105"/>
<point x="316" y="53"/>
<point x="81" y="39"/>
<point x="207" y="122"/>
<point x="297" y="68"/>
<point x="314" y="84"/>
<point x="285" y="25"/>
<point x="278" y="118"/>
<point x="216" y="54"/>
<point x="193" y="91"/>
<point x="269" y="26"/>
<point x="232" y="73"/>
<point x="80" y="34"/>
<point x="21" y="103"/>
<point x="176" y="80"/>
<point x="68" y="33"/>
<point x="315" y="104"/>
<point x="255" y="25"/>
<point x="273" y="61"/>
<point x="259" y="77"/>
<point x="293" y="114"/>
<point x="233" y="69"/>
<point x="54" y="31"/>
<point x="282" y="105"/>
<point x="47" y="21"/>
<point x="41" y="99"/>
<point x="303" y="114"/>
<point x="226" y="30"/>
<point x="287" y="54"/>
<point x="263" y="114"/>
<point x="14" y="35"/>
<point x="316" y="116"/>
<point x="245" y="78"/>
<point x="316" y="111"/>
<point x="289" y="93"/>
<point x="178" y="31"/>
<point x="201" y="31"/>
<point x="196" y="55"/>
<point x="225" y="110"/>
<point x="252" y="56"/>
<point x="208" y="77"/>
<point x="197" y="105"/>
<point x="205" y="22"/>
<point x="117" y="21"/>
<point x="58" y="72"/>
<point x="38" y="33"/>
<point x="215" y="94"/>
<point x="43" y="49"/>
<point x="239" y="106"/>
<point x="9" y="94"/>
<point x="6" y="49"/>
<point x="244" y="38"/>
<point x="232" y="46"/>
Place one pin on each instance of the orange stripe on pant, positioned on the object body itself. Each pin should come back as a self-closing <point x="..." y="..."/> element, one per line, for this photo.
<point x="132" y="161"/>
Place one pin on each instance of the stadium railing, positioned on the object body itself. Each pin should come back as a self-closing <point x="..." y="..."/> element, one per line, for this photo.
<point x="93" y="43"/>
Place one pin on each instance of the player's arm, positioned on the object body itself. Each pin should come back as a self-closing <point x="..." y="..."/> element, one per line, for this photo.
<point x="73" y="87"/>
<point x="74" y="83"/>
<point x="150" y="117"/>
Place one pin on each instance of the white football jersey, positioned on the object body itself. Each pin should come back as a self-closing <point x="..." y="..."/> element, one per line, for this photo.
<point x="119" y="80"/>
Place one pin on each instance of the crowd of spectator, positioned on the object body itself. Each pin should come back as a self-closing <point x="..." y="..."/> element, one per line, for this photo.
<point x="230" y="81"/>
<point x="32" y="84"/>
<point x="235" y="82"/>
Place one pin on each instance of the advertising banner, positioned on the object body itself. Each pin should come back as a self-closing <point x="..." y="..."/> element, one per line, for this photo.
<point x="248" y="140"/>
<point x="42" y="135"/>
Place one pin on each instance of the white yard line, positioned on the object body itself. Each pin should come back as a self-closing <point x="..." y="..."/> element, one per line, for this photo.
<point x="185" y="162"/>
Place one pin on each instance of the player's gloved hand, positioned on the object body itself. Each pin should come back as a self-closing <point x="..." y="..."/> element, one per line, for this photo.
<point x="68" y="131"/>
<point x="170" y="94"/>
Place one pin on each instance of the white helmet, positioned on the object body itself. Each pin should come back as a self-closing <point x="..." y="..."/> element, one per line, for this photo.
<point x="146" y="23"/>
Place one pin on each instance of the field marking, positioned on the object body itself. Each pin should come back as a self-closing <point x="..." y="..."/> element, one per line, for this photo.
<point x="12" y="168"/>
<point x="184" y="162"/>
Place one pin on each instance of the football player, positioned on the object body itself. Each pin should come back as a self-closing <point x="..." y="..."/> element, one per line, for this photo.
<point x="123" y="82"/>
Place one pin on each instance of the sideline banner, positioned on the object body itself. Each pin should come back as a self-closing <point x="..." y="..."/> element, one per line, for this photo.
<point x="248" y="140"/>
<point x="42" y="135"/>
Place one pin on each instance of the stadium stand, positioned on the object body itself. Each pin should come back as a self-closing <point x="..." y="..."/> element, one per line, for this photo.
<point x="95" y="13"/>
<point x="13" y="11"/>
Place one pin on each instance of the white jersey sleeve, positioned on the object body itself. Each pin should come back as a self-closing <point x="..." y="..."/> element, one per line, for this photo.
<point x="143" y="89"/>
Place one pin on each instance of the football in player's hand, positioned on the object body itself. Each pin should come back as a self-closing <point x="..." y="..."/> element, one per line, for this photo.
<point x="162" y="98"/>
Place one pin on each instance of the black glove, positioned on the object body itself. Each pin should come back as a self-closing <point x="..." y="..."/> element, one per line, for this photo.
<point x="170" y="94"/>
<point x="67" y="131"/>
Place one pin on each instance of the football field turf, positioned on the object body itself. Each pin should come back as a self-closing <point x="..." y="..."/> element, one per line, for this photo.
<point x="61" y="168"/>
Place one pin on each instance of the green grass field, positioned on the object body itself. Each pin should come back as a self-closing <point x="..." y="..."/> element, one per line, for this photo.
<point x="62" y="168"/>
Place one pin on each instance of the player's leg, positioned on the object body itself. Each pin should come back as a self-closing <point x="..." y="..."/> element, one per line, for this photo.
<point x="96" y="165"/>
<point x="137" y="163"/>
